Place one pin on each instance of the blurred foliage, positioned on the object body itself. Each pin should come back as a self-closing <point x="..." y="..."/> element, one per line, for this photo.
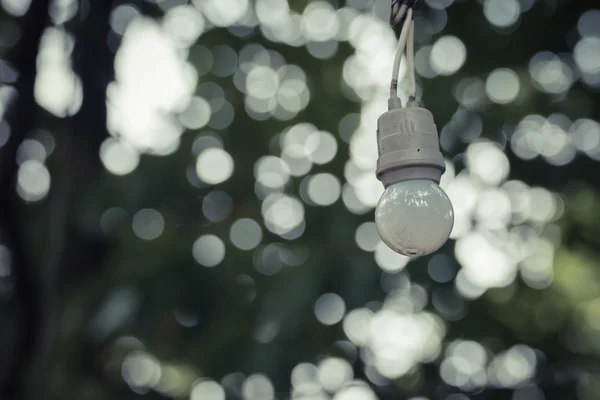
<point x="146" y="288"/>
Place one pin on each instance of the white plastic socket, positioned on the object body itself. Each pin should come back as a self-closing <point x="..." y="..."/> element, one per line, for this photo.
<point x="408" y="145"/>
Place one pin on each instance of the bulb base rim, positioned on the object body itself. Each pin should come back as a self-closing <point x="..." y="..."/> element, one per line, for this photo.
<point x="389" y="176"/>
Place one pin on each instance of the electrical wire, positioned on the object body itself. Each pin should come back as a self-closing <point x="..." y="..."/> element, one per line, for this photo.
<point x="410" y="63"/>
<point x="406" y="41"/>
<point x="399" y="51"/>
<point x="398" y="13"/>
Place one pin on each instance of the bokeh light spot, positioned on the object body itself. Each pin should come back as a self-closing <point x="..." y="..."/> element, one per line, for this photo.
<point x="448" y="54"/>
<point x="33" y="181"/>
<point x="214" y="166"/>
<point x="502" y="13"/>
<point x="118" y="156"/>
<point x="324" y="189"/>
<point x="502" y="86"/>
<point x="245" y="234"/>
<point x="148" y="224"/>
<point x="330" y="309"/>
<point x="208" y="250"/>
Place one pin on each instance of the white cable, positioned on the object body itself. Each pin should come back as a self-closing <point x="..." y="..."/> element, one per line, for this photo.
<point x="410" y="63"/>
<point x="399" y="52"/>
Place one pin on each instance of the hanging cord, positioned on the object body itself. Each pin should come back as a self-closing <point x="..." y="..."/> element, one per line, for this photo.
<point x="399" y="51"/>
<point x="410" y="63"/>
<point x="402" y="14"/>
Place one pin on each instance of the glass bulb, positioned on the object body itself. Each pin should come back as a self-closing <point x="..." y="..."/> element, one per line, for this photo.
<point x="415" y="217"/>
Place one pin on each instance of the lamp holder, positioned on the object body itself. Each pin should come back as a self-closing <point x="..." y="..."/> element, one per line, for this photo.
<point x="408" y="145"/>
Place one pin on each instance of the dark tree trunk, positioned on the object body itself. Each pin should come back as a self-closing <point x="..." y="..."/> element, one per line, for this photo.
<point x="21" y="118"/>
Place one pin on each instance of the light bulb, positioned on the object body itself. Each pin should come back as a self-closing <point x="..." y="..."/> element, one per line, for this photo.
<point x="414" y="217"/>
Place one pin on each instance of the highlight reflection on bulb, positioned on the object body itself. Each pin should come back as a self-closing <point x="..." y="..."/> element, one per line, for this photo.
<point x="414" y="217"/>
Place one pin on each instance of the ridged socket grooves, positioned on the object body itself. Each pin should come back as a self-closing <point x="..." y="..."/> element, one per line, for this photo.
<point x="408" y="146"/>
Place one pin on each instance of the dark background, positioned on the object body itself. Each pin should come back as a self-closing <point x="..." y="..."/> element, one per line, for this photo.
<point x="135" y="264"/>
